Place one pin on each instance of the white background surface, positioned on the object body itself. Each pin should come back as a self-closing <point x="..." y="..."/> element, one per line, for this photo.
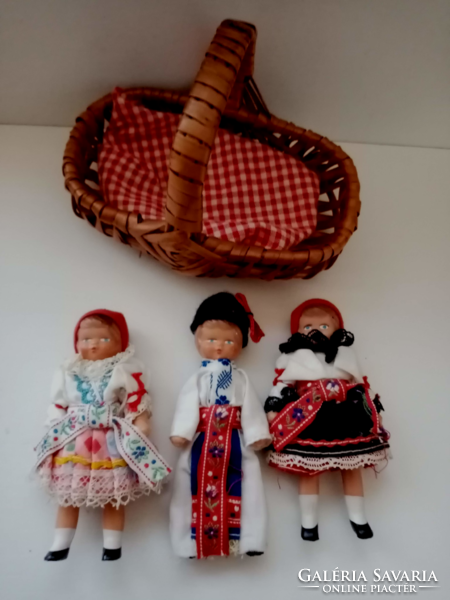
<point x="373" y="71"/>
<point x="391" y="284"/>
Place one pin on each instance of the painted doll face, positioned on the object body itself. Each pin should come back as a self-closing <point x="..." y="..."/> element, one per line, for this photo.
<point x="218" y="339"/>
<point x="98" y="340"/>
<point x="317" y="318"/>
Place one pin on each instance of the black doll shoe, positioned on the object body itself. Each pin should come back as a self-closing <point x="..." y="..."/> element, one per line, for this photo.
<point x="310" y="535"/>
<point x="111" y="554"/>
<point x="55" y="555"/>
<point x="364" y="532"/>
<point x="254" y="553"/>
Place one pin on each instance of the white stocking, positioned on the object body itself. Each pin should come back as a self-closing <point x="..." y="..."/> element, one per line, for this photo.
<point x="62" y="539"/>
<point x="355" y="507"/>
<point x="112" y="539"/>
<point x="308" y="508"/>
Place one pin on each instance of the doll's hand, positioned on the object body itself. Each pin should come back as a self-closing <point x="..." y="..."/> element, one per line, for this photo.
<point x="142" y="422"/>
<point x="178" y="441"/>
<point x="271" y="415"/>
<point x="260" y="444"/>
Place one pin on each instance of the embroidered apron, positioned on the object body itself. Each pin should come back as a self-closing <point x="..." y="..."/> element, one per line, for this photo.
<point x="137" y="451"/>
<point x="216" y="472"/>
<point x="298" y="415"/>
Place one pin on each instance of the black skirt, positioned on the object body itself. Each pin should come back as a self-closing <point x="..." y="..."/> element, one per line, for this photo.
<point x="343" y="435"/>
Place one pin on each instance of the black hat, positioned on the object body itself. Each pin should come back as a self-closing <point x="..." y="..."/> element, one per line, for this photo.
<point x="223" y="307"/>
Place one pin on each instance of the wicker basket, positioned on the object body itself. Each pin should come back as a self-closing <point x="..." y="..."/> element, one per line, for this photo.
<point x="224" y="94"/>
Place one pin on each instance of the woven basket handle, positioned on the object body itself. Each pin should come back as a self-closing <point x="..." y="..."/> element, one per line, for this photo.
<point x="227" y="66"/>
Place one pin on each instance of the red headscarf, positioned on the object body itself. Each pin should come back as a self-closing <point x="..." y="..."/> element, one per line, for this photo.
<point x="118" y="319"/>
<point x="313" y="303"/>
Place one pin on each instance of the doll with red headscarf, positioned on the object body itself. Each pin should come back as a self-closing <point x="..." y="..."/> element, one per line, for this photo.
<point x="218" y="506"/>
<point x="96" y="451"/>
<point x="322" y="413"/>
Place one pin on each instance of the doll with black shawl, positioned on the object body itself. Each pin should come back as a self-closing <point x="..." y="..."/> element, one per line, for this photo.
<point x="218" y="506"/>
<point x="322" y="413"/>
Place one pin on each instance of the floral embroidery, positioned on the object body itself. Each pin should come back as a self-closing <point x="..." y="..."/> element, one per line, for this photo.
<point x="87" y="391"/>
<point x="103" y="384"/>
<point x="222" y="400"/>
<point x="297" y="414"/>
<point x="211" y="531"/>
<point x="332" y="387"/>
<point x="140" y="453"/>
<point x="216" y="450"/>
<point x="97" y="412"/>
<point x="220" y="375"/>
<point x="221" y="413"/>
<point x="211" y="491"/>
<point x="212" y="521"/>
<point x="220" y="420"/>
<point x="159" y="472"/>
<point x="85" y="388"/>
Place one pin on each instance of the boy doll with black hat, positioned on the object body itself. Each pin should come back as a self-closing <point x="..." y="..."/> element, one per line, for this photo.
<point x="218" y="506"/>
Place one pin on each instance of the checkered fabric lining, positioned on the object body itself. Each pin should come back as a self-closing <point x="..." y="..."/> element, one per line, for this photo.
<point x="252" y="193"/>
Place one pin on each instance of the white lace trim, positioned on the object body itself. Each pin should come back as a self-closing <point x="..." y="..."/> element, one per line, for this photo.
<point x="144" y="406"/>
<point x="72" y="486"/>
<point x="290" y="461"/>
<point x="96" y="369"/>
<point x="122" y="500"/>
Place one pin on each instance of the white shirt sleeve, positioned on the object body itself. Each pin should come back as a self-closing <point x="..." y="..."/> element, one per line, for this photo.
<point x="58" y="407"/>
<point x="130" y="377"/>
<point x="187" y="410"/>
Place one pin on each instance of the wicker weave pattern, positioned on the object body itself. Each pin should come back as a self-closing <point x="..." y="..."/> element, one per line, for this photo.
<point x="224" y="94"/>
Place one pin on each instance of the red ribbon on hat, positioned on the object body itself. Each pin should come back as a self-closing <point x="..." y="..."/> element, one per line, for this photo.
<point x="256" y="333"/>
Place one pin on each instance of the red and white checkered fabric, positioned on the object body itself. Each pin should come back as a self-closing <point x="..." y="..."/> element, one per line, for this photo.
<point x="252" y="193"/>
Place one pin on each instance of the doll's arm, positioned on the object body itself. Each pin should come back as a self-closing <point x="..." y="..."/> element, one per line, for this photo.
<point x="142" y="422"/>
<point x="253" y="419"/>
<point x="58" y="406"/>
<point x="187" y="414"/>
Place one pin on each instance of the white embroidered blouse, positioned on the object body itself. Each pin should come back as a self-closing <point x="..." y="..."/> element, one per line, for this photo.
<point x="117" y="381"/>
